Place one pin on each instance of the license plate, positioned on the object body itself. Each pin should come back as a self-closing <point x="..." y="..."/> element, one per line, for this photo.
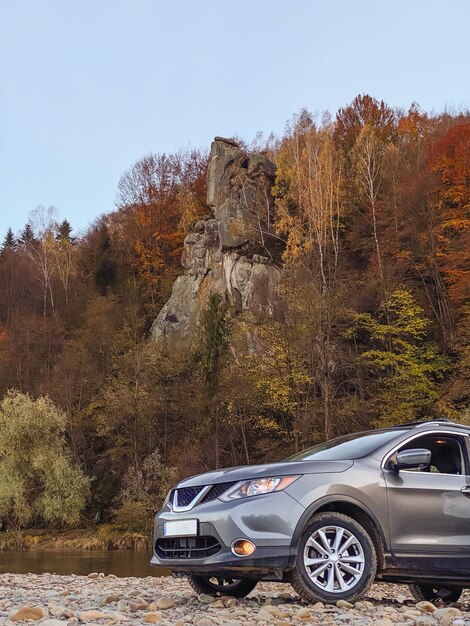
<point x="180" y="528"/>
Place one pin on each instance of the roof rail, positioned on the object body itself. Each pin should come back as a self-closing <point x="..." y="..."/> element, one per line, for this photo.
<point x="423" y="423"/>
<point x="443" y="421"/>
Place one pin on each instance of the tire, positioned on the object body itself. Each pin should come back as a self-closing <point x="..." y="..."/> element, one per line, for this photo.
<point x="313" y="581"/>
<point x="224" y="586"/>
<point x="435" y="594"/>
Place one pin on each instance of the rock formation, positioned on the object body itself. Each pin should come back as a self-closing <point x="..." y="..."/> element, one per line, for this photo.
<point x="231" y="250"/>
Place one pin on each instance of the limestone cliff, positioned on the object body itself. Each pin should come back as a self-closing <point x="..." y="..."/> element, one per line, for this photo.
<point x="231" y="250"/>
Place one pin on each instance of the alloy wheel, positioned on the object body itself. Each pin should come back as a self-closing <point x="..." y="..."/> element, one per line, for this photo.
<point x="334" y="559"/>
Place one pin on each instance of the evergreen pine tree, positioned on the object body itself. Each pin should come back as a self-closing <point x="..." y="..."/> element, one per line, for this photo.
<point x="9" y="242"/>
<point x="64" y="232"/>
<point x="27" y="236"/>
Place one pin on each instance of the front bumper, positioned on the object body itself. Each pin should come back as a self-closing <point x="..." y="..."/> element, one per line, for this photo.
<point x="268" y="521"/>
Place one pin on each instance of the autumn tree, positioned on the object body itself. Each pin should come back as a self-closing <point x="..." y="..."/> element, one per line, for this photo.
<point x="157" y="197"/>
<point x="265" y="390"/>
<point x="457" y="391"/>
<point x="40" y="482"/>
<point x="449" y="160"/>
<point x="364" y="111"/>
<point x="131" y="403"/>
<point x="406" y="366"/>
<point x="311" y="216"/>
<point x="143" y="490"/>
<point x="78" y="376"/>
<point x="211" y="348"/>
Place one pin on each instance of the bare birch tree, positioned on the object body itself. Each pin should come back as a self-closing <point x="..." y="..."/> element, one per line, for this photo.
<point x="41" y="251"/>
<point x="368" y="157"/>
<point x="310" y="211"/>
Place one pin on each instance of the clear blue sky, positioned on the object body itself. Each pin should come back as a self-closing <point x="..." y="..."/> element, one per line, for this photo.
<point x="89" y="86"/>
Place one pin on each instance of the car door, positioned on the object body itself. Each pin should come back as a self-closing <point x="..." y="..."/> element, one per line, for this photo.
<point x="429" y="511"/>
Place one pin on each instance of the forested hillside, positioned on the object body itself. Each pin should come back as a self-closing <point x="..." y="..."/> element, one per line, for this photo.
<point x="370" y="228"/>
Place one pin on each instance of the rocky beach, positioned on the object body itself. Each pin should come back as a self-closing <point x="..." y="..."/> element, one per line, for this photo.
<point x="96" y="599"/>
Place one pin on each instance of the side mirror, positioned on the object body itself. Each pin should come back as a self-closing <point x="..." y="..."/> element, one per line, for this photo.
<point x="412" y="459"/>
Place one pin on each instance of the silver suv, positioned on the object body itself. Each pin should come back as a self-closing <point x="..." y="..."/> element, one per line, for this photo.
<point x="391" y="505"/>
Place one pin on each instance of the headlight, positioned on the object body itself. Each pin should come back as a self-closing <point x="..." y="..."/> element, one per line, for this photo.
<point x="257" y="487"/>
<point x="167" y="499"/>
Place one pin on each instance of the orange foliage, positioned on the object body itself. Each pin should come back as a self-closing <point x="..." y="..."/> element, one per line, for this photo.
<point x="449" y="160"/>
<point x="364" y="111"/>
<point x="158" y="197"/>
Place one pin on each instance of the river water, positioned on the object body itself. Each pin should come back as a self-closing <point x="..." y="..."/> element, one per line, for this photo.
<point x="119" y="562"/>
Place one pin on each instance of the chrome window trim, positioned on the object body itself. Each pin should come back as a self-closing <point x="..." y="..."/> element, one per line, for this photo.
<point x="463" y="435"/>
<point x="181" y="509"/>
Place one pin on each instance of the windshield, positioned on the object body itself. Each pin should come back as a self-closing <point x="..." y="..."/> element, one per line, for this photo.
<point x="348" y="447"/>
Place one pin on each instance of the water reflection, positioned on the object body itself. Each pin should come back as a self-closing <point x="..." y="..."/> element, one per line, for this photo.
<point x="119" y="562"/>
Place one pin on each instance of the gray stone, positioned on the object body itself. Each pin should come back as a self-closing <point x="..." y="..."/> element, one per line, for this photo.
<point x="446" y="616"/>
<point x="227" y="252"/>
<point x="424" y="620"/>
<point x="204" y="622"/>
<point x="137" y="605"/>
<point x="344" y="604"/>
<point x="165" y="603"/>
<point x="205" y="598"/>
<point x="114" y="597"/>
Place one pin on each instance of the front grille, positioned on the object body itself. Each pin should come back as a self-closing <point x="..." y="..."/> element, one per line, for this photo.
<point x="187" y="547"/>
<point x="184" y="496"/>
<point x="216" y="490"/>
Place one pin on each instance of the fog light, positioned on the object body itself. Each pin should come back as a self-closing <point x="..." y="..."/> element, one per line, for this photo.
<point x="243" y="547"/>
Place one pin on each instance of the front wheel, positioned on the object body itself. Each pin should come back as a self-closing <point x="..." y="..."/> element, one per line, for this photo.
<point x="221" y="585"/>
<point x="435" y="594"/>
<point x="336" y="560"/>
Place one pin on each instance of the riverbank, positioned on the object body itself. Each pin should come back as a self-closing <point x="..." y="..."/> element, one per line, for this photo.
<point x="50" y="600"/>
<point x="100" y="538"/>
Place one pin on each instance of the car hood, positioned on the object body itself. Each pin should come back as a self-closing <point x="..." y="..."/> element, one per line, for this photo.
<point x="245" y="472"/>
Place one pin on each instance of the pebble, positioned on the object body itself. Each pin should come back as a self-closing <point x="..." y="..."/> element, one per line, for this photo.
<point x="138" y="605"/>
<point x="446" y="616"/>
<point x="28" y="613"/>
<point x="113" y="597"/>
<point x="264" y="616"/>
<point x="153" y="618"/>
<point x="204" y="598"/>
<point x="344" y="604"/>
<point x="423" y="620"/>
<point x="111" y="601"/>
<point x="91" y="616"/>
<point x="165" y="603"/>
<point x="425" y="607"/>
<point x="303" y="613"/>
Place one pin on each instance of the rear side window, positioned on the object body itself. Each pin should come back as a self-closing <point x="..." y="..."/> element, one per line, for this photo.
<point x="349" y="447"/>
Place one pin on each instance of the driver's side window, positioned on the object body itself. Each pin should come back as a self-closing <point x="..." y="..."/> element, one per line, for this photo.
<point x="447" y="453"/>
